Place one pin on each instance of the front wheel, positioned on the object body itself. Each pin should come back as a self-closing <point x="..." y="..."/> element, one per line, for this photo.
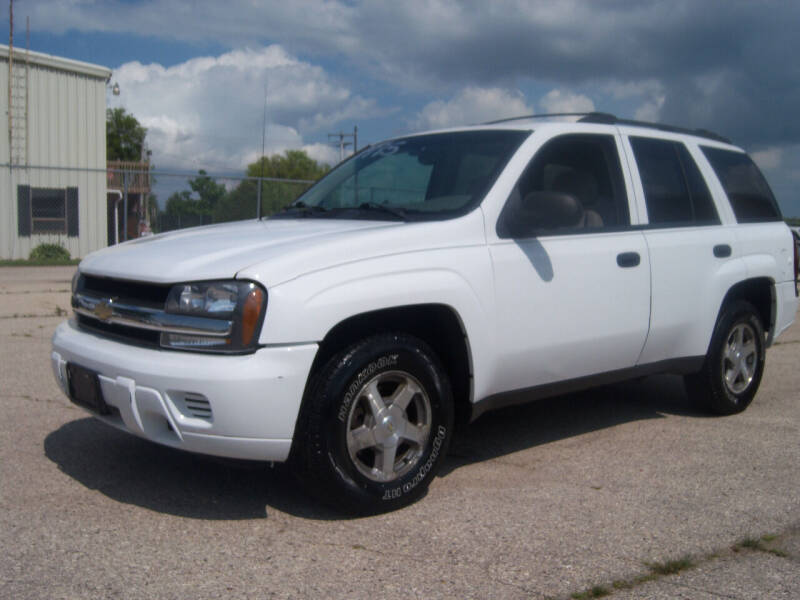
<point x="734" y="364"/>
<point x="376" y="423"/>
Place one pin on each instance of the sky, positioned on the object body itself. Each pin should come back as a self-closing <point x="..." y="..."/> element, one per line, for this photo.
<point x="199" y="75"/>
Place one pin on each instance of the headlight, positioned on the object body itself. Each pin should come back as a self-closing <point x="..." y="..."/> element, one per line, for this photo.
<point x="240" y="303"/>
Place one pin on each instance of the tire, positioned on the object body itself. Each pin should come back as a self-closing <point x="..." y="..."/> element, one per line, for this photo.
<point x="734" y="364"/>
<point x="376" y="424"/>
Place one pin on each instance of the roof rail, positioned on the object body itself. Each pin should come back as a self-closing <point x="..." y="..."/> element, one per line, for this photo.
<point x="609" y="119"/>
<point x="612" y="120"/>
<point x="540" y="116"/>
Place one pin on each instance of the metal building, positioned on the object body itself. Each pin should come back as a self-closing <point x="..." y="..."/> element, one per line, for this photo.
<point x="53" y="157"/>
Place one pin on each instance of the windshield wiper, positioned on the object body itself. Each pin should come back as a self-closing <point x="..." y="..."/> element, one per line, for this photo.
<point x="303" y="208"/>
<point x="390" y="210"/>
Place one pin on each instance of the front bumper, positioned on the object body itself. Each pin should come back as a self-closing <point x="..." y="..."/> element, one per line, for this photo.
<point x="234" y="406"/>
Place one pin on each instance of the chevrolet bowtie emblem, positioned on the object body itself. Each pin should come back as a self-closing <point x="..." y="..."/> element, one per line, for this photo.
<point x="103" y="310"/>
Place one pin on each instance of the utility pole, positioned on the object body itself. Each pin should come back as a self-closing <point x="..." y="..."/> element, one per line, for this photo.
<point x="339" y="140"/>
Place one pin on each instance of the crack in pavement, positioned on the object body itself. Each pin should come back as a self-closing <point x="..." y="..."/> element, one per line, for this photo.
<point x="35" y="316"/>
<point x="733" y="552"/>
<point x="700" y="589"/>
<point x="38" y="400"/>
<point x="48" y="291"/>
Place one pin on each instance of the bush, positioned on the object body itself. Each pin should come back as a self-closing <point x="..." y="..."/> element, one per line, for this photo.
<point x="49" y="252"/>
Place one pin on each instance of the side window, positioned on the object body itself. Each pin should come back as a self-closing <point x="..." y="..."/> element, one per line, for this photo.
<point x="750" y="196"/>
<point x="674" y="189"/>
<point x="583" y="166"/>
<point x="705" y="213"/>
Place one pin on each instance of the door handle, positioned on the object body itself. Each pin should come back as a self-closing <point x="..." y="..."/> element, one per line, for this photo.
<point x="628" y="259"/>
<point x="722" y="250"/>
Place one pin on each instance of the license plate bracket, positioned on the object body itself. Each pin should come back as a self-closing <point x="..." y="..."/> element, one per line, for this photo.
<point x="84" y="389"/>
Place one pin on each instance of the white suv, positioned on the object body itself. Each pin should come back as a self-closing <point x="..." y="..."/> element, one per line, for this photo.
<point x="433" y="277"/>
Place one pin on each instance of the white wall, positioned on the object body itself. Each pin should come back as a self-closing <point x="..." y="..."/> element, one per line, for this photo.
<point x="66" y="132"/>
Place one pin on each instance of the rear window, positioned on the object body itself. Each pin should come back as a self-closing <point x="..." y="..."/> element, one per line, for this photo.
<point x="751" y="199"/>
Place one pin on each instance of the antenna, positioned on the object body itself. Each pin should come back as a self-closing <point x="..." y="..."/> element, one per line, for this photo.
<point x="263" y="145"/>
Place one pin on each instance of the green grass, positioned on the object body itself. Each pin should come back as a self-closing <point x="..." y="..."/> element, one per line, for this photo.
<point x="759" y="545"/>
<point x="597" y="591"/>
<point x="657" y="570"/>
<point x="670" y="567"/>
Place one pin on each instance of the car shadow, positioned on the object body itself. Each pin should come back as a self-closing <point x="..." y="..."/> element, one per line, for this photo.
<point x="134" y="471"/>
<point x="515" y="428"/>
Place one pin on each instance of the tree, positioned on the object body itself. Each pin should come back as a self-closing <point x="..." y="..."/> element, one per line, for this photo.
<point x="200" y="202"/>
<point x="292" y="164"/>
<point x="182" y="203"/>
<point x="240" y="203"/>
<point x="124" y="136"/>
<point x="209" y="191"/>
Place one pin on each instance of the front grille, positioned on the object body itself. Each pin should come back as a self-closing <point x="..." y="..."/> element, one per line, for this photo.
<point x="150" y="295"/>
<point x="147" y="295"/>
<point x="129" y="335"/>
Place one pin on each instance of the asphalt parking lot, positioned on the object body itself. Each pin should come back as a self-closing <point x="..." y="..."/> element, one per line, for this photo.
<point x="600" y="489"/>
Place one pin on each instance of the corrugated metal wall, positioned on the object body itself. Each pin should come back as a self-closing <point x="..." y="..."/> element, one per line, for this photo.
<point x="66" y="134"/>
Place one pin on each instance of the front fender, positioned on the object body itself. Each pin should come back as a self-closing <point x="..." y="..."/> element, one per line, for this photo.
<point x="307" y="308"/>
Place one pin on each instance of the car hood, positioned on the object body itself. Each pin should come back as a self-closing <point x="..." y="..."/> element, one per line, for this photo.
<point x="222" y="251"/>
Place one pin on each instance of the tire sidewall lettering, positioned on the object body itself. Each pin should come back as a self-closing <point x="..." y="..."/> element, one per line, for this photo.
<point x="389" y="360"/>
<point x="422" y="472"/>
<point x="436" y="446"/>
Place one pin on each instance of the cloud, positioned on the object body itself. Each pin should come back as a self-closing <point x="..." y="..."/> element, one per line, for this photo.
<point x="768" y="159"/>
<point x="716" y="66"/>
<point x="559" y="101"/>
<point x="208" y="112"/>
<point x="724" y="65"/>
<point x="325" y="153"/>
<point x="471" y="105"/>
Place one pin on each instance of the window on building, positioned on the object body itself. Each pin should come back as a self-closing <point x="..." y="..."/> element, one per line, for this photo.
<point x="674" y="190"/>
<point x="751" y="199"/>
<point x="47" y="211"/>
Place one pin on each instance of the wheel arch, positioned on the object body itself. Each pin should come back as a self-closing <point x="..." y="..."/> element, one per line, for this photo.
<point x="438" y="325"/>
<point x="760" y="292"/>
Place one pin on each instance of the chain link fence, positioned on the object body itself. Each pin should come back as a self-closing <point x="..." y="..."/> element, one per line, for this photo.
<point x="84" y="209"/>
<point x="159" y="201"/>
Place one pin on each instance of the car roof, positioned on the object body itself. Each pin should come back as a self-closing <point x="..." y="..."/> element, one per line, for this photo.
<point x="528" y="122"/>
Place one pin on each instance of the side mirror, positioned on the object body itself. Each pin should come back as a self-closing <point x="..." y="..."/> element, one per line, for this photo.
<point x="543" y="211"/>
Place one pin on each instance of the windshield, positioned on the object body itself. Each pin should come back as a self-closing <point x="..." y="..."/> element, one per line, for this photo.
<point x="422" y="177"/>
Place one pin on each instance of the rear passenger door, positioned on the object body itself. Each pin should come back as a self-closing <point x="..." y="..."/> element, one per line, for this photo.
<point x="689" y="246"/>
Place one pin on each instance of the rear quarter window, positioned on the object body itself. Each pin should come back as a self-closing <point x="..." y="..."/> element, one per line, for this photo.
<point x="748" y="192"/>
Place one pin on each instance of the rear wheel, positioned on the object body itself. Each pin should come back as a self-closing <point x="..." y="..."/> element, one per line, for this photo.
<point x="734" y="365"/>
<point x="377" y="422"/>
